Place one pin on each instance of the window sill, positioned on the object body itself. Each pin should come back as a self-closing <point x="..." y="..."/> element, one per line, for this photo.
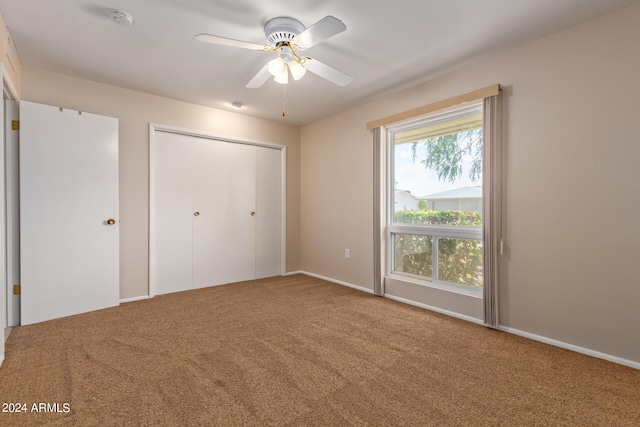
<point x="449" y="287"/>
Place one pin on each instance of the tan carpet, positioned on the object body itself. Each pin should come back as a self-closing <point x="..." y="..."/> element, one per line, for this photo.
<point x="300" y="351"/>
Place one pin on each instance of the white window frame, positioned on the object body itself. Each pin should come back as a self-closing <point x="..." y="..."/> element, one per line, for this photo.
<point x="433" y="231"/>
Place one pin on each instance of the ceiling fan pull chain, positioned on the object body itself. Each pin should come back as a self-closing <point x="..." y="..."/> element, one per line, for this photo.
<point x="284" y="99"/>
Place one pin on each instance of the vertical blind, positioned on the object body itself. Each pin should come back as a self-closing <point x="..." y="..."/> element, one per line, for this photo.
<point x="491" y="199"/>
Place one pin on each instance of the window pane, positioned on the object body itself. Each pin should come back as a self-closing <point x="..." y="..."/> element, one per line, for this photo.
<point x="460" y="262"/>
<point x="412" y="254"/>
<point x="438" y="173"/>
<point x="436" y="187"/>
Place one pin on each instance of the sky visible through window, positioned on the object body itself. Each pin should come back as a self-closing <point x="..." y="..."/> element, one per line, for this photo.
<point x="413" y="176"/>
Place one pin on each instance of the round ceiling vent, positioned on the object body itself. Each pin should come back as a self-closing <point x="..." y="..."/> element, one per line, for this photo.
<point x="282" y="30"/>
<point x="121" y="17"/>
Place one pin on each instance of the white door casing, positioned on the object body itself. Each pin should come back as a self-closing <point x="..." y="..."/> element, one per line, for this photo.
<point x="69" y="191"/>
<point x="12" y="211"/>
<point x="8" y="172"/>
<point x="4" y="299"/>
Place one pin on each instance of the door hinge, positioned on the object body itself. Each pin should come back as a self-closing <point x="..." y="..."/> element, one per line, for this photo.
<point x="15" y="124"/>
<point x="16" y="289"/>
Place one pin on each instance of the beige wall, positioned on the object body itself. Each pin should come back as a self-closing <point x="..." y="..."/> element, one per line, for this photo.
<point x="572" y="182"/>
<point x="135" y="111"/>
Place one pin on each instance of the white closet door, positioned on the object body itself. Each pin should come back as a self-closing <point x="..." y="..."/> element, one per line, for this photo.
<point x="68" y="192"/>
<point x="268" y="227"/>
<point x="238" y="237"/>
<point x="210" y="205"/>
<point x="215" y="212"/>
<point x="171" y="256"/>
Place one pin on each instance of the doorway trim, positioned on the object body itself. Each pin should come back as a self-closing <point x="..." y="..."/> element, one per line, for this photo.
<point x="153" y="128"/>
<point x="9" y="187"/>
<point x="11" y="196"/>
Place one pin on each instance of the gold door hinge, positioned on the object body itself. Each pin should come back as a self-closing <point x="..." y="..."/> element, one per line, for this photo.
<point x="16" y="289"/>
<point x="15" y="124"/>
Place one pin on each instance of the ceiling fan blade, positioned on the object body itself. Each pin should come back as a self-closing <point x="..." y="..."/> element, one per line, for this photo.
<point x="327" y="27"/>
<point x="327" y="72"/>
<point x="208" y="38"/>
<point x="259" y="79"/>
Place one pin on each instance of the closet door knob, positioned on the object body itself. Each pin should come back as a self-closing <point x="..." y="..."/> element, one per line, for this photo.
<point x="253" y="214"/>
<point x="111" y="221"/>
<point x="196" y="214"/>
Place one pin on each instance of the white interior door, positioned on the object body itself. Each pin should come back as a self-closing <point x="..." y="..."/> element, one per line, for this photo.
<point x="68" y="194"/>
<point x="171" y="250"/>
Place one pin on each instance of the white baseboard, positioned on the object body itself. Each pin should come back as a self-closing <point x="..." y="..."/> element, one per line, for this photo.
<point x="577" y="349"/>
<point x="534" y="337"/>
<point x="339" y="282"/>
<point x="140" y="298"/>
<point x="291" y="273"/>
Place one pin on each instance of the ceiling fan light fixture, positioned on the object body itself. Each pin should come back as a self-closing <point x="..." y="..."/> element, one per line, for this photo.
<point x="282" y="78"/>
<point x="286" y="36"/>
<point x="297" y="70"/>
<point x="282" y="29"/>
<point x="276" y="66"/>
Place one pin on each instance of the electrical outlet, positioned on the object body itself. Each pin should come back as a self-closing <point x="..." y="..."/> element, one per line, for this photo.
<point x="347" y="253"/>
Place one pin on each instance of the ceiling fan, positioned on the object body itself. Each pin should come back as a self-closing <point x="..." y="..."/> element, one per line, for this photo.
<point x="287" y="36"/>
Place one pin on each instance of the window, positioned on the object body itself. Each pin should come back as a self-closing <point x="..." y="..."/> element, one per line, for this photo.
<point x="435" y="204"/>
<point x="445" y="261"/>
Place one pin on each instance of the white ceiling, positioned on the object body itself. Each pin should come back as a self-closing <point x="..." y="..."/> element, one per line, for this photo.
<point x="388" y="44"/>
